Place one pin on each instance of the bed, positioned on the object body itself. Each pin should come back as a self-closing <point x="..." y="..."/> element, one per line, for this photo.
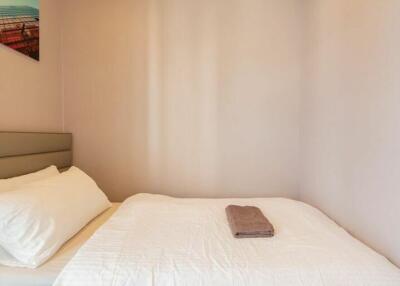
<point x="163" y="241"/>
<point x="159" y="240"/>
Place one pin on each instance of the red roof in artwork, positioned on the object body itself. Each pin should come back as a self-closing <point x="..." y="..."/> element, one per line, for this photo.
<point x="21" y="33"/>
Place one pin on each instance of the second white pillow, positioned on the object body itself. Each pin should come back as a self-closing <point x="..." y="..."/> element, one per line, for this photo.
<point x="37" y="219"/>
<point x="10" y="184"/>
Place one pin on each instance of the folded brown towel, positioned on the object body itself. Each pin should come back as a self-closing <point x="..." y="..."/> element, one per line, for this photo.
<point x="247" y="222"/>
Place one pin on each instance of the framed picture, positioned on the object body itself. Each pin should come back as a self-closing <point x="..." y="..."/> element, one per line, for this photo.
<point x="19" y="26"/>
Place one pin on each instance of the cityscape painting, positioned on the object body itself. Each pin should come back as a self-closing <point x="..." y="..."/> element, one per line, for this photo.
<point x="19" y="26"/>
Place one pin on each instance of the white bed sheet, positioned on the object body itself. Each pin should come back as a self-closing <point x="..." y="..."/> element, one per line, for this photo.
<point x="48" y="272"/>
<point x="162" y="241"/>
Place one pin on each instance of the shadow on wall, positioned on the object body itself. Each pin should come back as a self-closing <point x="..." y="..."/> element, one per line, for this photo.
<point x="351" y="130"/>
<point x="189" y="98"/>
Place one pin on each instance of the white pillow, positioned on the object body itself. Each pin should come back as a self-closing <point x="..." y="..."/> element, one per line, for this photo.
<point x="7" y="185"/>
<point x="16" y="182"/>
<point x="38" y="218"/>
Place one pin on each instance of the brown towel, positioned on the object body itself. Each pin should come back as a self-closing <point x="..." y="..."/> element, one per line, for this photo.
<point x="248" y="222"/>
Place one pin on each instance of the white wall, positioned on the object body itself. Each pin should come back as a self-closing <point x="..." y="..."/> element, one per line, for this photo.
<point x="30" y="91"/>
<point x="202" y="98"/>
<point x="351" y="114"/>
<point x="185" y="97"/>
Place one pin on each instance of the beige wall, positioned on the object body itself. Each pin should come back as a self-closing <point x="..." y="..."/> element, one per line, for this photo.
<point x="185" y="97"/>
<point x="352" y="118"/>
<point x="30" y="91"/>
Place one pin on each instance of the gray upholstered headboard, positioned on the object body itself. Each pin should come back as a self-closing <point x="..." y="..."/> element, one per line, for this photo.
<point x="26" y="152"/>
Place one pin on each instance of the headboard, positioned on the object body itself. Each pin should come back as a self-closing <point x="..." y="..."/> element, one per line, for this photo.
<point x="26" y="152"/>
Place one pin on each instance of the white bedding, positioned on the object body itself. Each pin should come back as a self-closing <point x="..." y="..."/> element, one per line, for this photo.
<point x="157" y="240"/>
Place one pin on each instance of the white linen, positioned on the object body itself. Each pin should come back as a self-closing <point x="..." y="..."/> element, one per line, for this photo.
<point x="10" y="184"/>
<point x="161" y="241"/>
<point x="38" y="218"/>
<point x="47" y="273"/>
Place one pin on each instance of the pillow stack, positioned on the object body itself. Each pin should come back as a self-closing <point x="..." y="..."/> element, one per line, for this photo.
<point x="41" y="211"/>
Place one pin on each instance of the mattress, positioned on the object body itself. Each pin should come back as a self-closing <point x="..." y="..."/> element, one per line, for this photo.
<point x="47" y="273"/>
<point x="157" y="240"/>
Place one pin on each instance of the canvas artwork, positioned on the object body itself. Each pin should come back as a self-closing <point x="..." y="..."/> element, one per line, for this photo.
<point x="19" y="26"/>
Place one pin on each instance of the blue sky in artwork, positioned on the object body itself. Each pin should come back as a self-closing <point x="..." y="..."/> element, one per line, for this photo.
<point x="32" y="3"/>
